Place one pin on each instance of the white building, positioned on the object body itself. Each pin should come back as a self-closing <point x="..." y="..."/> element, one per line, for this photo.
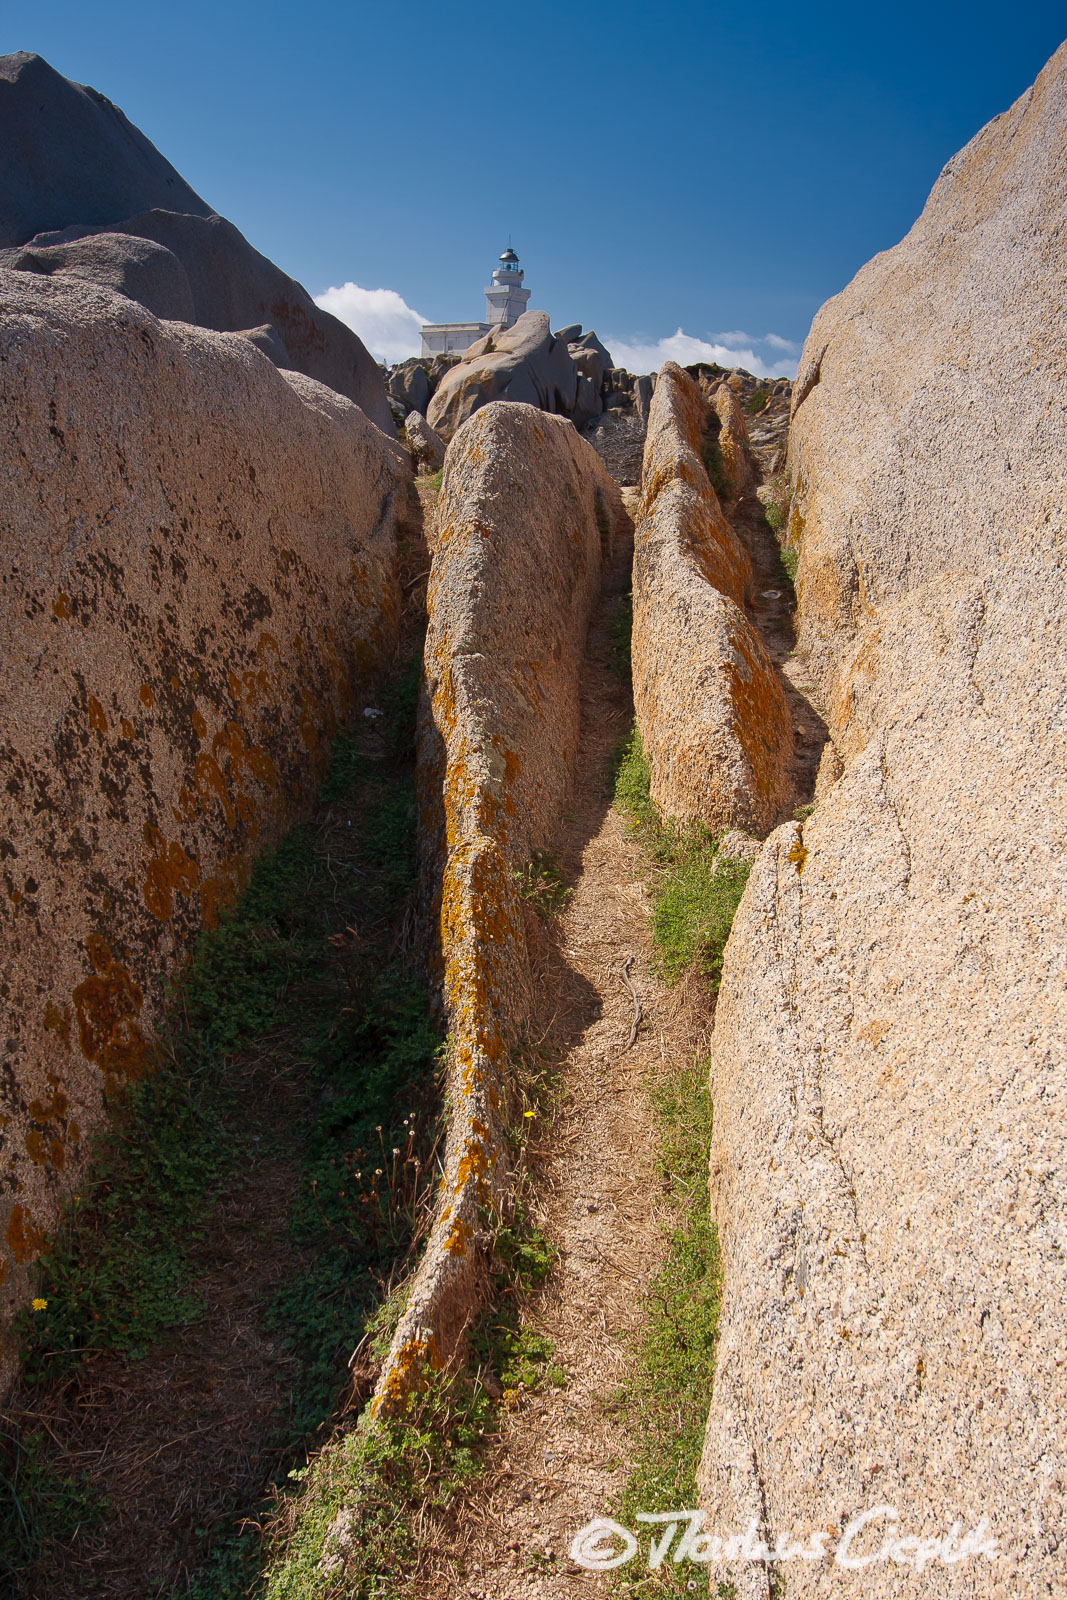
<point x="505" y="302"/>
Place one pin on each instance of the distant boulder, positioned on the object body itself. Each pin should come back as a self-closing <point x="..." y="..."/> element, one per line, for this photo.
<point x="528" y="363"/>
<point x="427" y="447"/>
<point x="82" y="189"/>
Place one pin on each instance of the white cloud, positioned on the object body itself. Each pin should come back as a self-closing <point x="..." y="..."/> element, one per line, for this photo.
<point x="384" y="321"/>
<point x="687" y="350"/>
<point x="778" y="343"/>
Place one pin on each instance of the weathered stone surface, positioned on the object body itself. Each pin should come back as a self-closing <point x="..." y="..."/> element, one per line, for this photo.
<point x="410" y="384"/>
<point x="76" y="179"/>
<point x="198" y="560"/>
<point x="70" y="155"/>
<point x="529" y="364"/>
<point x="526" y="510"/>
<point x="733" y="441"/>
<point x="712" y="714"/>
<point x="891" y="1035"/>
<point x="141" y="269"/>
<point x="524" y="363"/>
<point x="427" y="447"/>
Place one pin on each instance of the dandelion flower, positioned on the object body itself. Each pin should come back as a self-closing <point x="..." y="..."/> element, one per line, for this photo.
<point x="40" y="1305"/>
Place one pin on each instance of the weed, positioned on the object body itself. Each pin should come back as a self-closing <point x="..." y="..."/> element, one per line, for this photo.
<point x="435" y="480"/>
<point x="694" y="890"/>
<point x="776" y="506"/>
<point x="802" y="813"/>
<point x="310" y="972"/>
<point x="758" y="401"/>
<point x="711" y="454"/>
<point x="620" y="630"/>
<point x="41" y="1510"/>
<point x="352" y="1520"/>
<point x="542" y="883"/>
<point x="668" y="1393"/>
<point x="693" y="904"/>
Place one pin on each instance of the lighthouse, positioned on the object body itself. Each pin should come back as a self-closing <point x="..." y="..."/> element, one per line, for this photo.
<point x="505" y="298"/>
<point x="505" y="302"/>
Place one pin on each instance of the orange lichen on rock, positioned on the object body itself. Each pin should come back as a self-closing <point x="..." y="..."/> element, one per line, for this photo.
<point x="510" y="596"/>
<point x="712" y="714"/>
<point x="149" y="756"/>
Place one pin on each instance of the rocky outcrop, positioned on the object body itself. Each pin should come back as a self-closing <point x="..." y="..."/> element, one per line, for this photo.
<point x="84" y="194"/>
<point x="738" y="466"/>
<point x="198" y="577"/>
<point x="528" y="363"/>
<point x="888" y="1063"/>
<point x="427" y="447"/>
<point x="711" y="712"/>
<point x="526" y="511"/>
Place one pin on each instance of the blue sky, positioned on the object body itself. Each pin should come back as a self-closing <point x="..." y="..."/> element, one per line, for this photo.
<point x="718" y="169"/>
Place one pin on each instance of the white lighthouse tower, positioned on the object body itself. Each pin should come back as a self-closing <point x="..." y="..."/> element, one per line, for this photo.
<point x="505" y="298"/>
<point x="505" y="302"/>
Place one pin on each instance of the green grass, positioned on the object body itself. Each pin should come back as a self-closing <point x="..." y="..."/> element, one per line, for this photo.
<point x="758" y="401"/>
<point x="343" y="1015"/>
<point x="667" y="1396"/>
<point x="711" y="453"/>
<point x="542" y="883"/>
<point x="694" y="891"/>
<point x="387" y="1476"/>
<point x="620" y="631"/>
<point x="38" y="1506"/>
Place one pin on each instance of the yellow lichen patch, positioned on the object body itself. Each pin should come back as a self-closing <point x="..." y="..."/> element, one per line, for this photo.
<point x="97" y="715"/>
<point x="106" y="1006"/>
<point x="199" y="725"/>
<point x="761" y="721"/>
<point x="459" y="1236"/>
<point x="797" y="854"/>
<point x="23" y="1239"/>
<point x="169" y="872"/>
<point x="408" y="1373"/>
<point x="128" y="729"/>
<point x="61" y="606"/>
<point x="43" y="1111"/>
<point x="147" y="697"/>
<point x="244" y="757"/>
<point x="57" y="1021"/>
<point x="209" y="781"/>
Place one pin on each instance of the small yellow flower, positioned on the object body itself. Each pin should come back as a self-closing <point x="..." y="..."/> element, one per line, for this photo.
<point x="40" y="1305"/>
<point x="527" y="1113"/>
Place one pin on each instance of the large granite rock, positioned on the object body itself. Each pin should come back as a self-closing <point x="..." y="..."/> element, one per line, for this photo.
<point x="427" y="447"/>
<point x="526" y="512"/>
<point x="889" y="1061"/>
<point x="530" y="364"/>
<point x="712" y="714"/>
<point x="81" y="190"/>
<point x="738" y="466"/>
<point x="198" y="577"/>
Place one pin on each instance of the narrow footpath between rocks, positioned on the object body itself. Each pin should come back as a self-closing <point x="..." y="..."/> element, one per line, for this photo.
<point x="563" y="1454"/>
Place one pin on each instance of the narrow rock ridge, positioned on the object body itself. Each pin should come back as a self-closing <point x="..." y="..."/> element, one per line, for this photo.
<point x="527" y="511"/>
<point x="711" y="711"/>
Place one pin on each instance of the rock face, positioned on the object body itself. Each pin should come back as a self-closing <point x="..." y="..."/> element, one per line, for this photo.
<point x="198" y="562"/>
<point x="529" y="364"/>
<point x="737" y="462"/>
<point x="891" y="1037"/>
<point x="526" y="510"/>
<point x="711" y="712"/>
<point x="84" y="194"/>
<point x="427" y="447"/>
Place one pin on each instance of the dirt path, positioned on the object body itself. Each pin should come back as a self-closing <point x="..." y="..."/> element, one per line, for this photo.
<point x="564" y="1454"/>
